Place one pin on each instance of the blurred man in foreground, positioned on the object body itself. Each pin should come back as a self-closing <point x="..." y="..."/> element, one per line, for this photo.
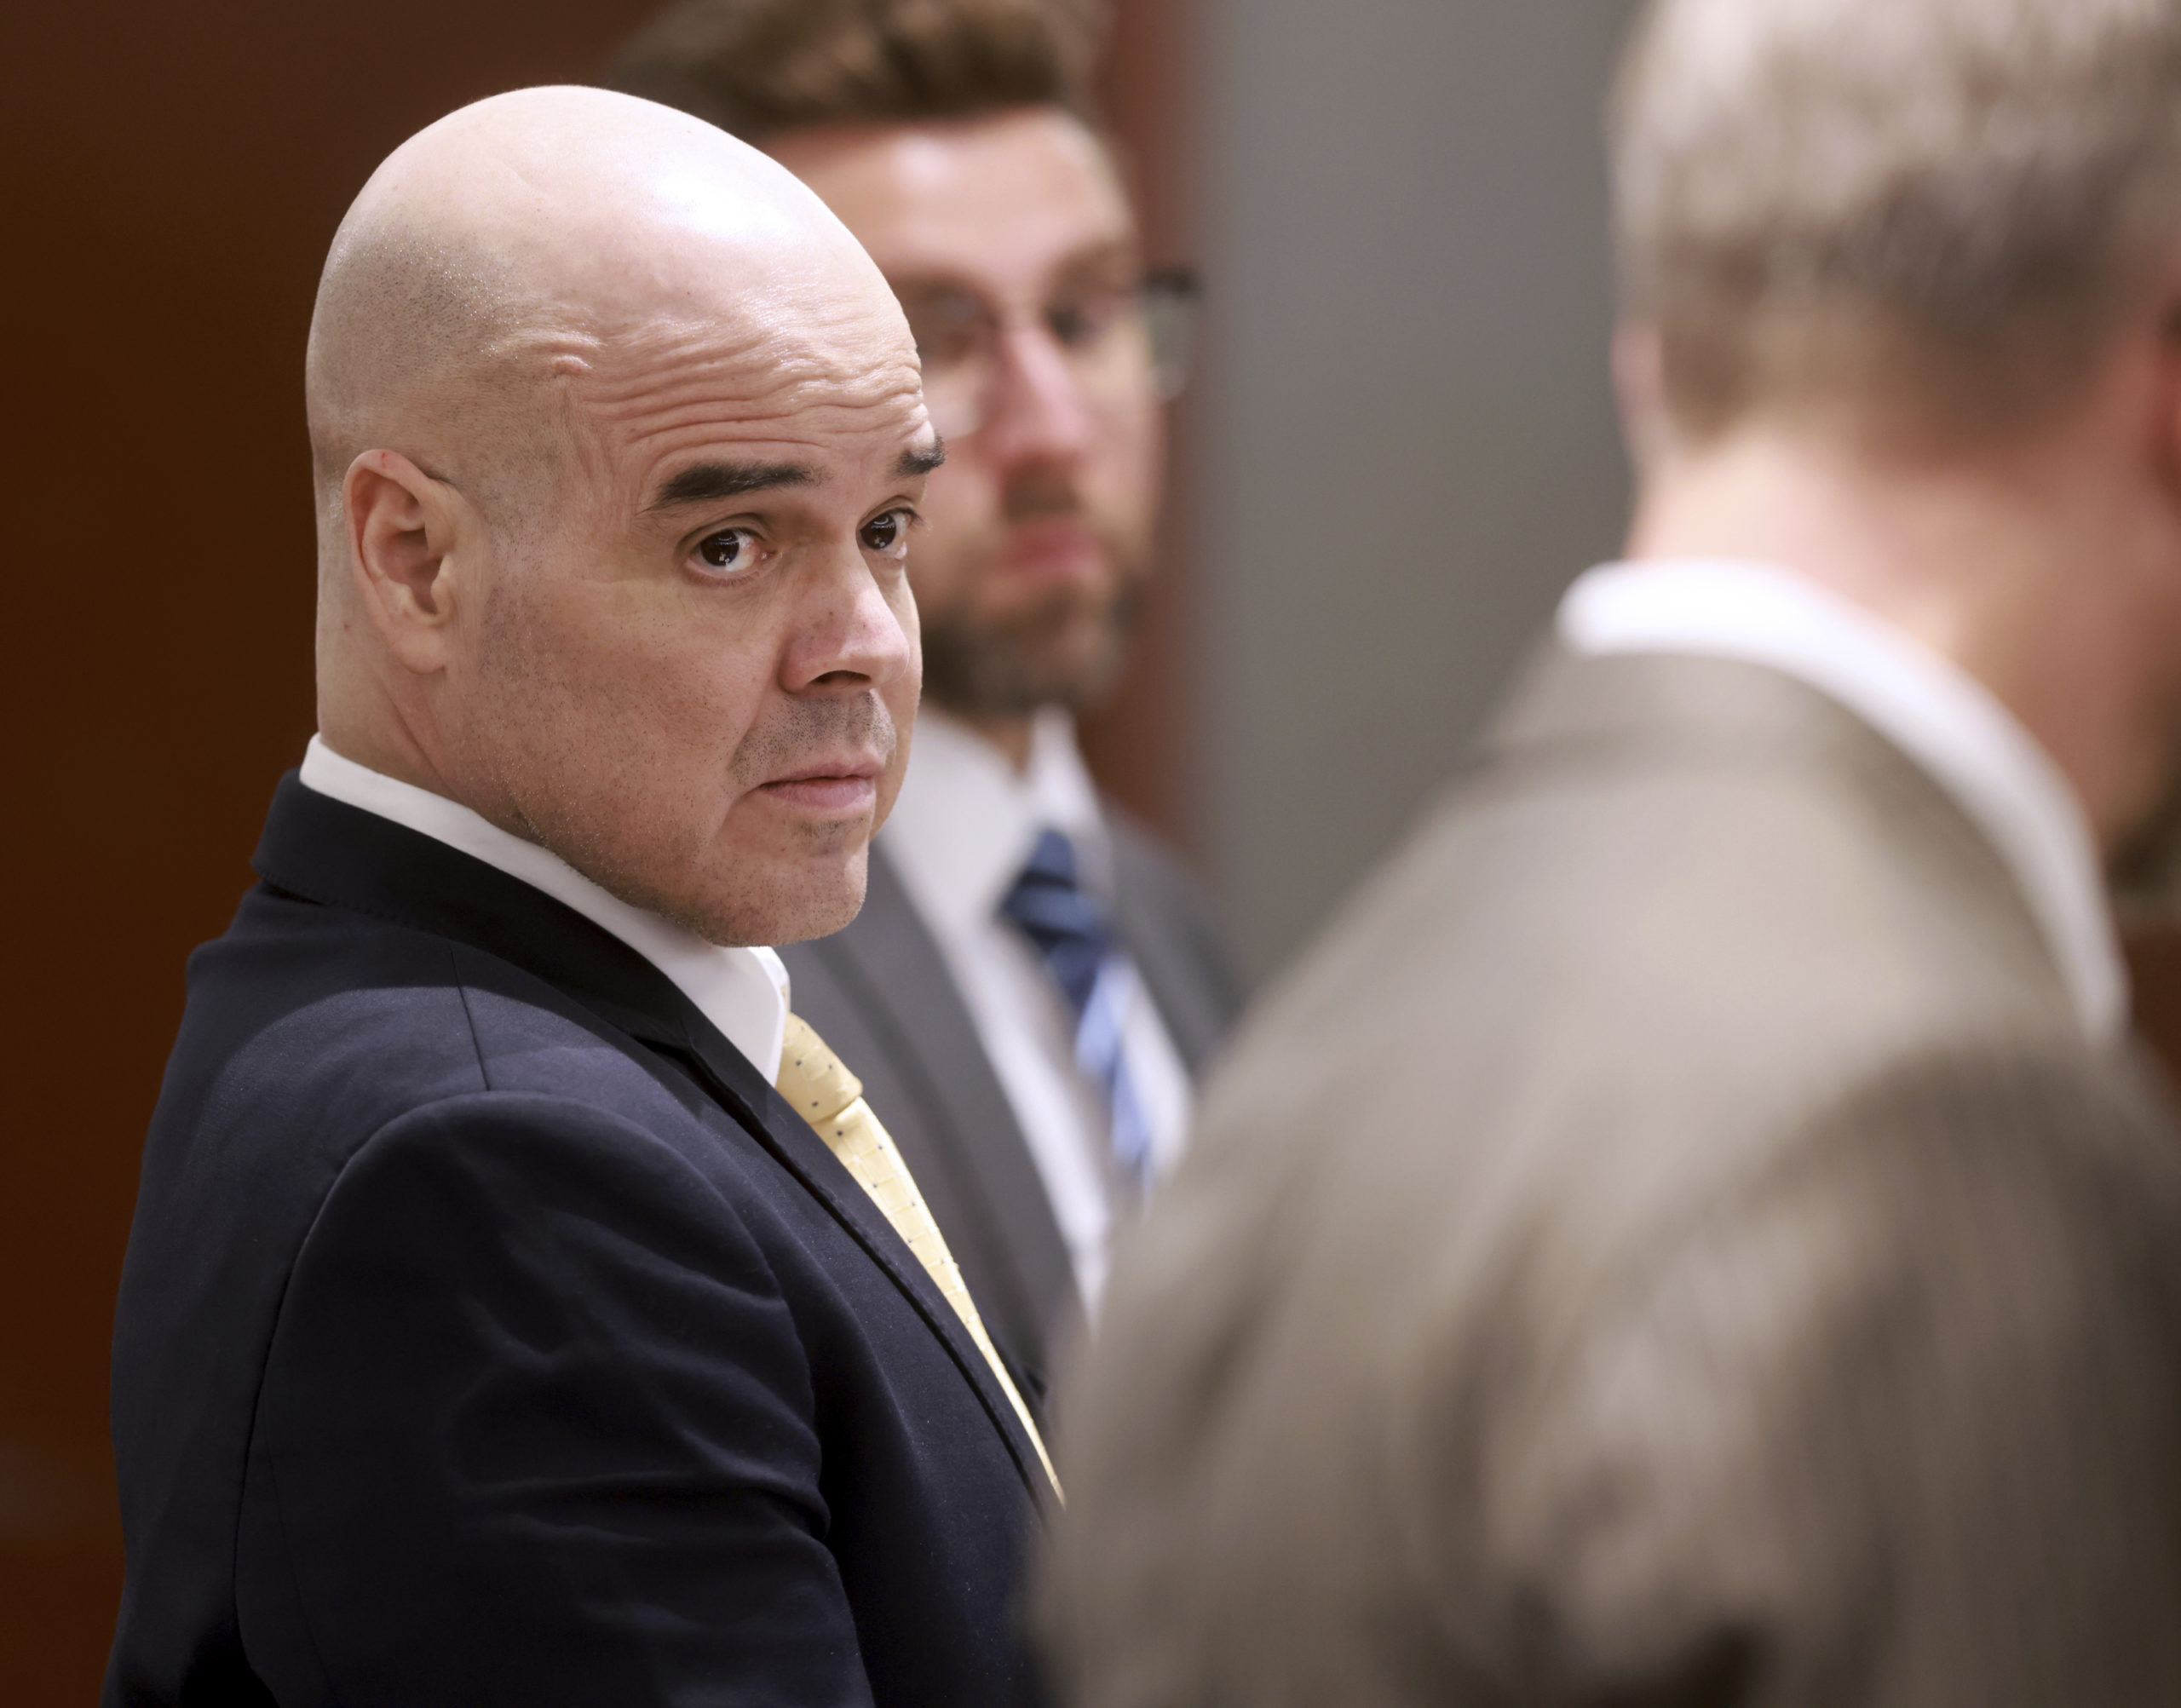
<point x="492" y="1330"/>
<point x="1694" y="1231"/>
<point x="1031" y="985"/>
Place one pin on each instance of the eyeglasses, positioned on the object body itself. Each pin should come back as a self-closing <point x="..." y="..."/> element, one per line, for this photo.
<point x="1120" y="342"/>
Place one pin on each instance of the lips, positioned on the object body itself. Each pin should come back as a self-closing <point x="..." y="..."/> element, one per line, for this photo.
<point x="837" y="786"/>
<point x="1062" y="548"/>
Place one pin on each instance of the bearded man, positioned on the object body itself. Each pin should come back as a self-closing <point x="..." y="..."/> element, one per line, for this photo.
<point x="1032" y="987"/>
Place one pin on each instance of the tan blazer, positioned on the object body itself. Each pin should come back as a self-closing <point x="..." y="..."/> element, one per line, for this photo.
<point x="1669" y="1243"/>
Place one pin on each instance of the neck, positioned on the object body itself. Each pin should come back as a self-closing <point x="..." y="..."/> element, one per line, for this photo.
<point x="395" y="758"/>
<point x="364" y="724"/>
<point x="1981" y="558"/>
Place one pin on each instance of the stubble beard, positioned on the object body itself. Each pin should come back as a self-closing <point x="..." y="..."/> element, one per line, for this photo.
<point x="816" y="888"/>
<point x="800" y="903"/>
<point x="1068" y="649"/>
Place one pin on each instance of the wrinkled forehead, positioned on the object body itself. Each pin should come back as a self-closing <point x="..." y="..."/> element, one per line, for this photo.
<point x="831" y="372"/>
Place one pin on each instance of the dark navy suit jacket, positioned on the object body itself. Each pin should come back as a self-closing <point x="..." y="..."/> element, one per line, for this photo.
<point x="492" y="1333"/>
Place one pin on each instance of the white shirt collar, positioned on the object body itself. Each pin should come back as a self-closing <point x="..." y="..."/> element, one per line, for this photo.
<point x="965" y="821"/>
<point x="1937" y="713"/>
<point x="742" y="992"/>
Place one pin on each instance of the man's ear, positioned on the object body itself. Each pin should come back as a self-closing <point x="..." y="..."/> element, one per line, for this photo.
<point x="403" y="527"/>
<point x="1639" y="386"/>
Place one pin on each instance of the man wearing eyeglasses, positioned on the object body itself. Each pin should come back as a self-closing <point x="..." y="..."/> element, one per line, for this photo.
<point x="1030" y="989"/>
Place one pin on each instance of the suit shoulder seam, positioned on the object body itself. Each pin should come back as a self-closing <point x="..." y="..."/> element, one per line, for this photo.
<point x="468" y="1019"/>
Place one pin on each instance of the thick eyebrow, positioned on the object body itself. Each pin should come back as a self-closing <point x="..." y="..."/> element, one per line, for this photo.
<point x="706" y="483"/>
<point x="1121" y="250"/>
<point x="916" y="463"/>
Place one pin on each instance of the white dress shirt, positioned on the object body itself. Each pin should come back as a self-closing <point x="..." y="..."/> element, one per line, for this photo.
<point x="959" y="836"/>
<point x="1936" y="713"/>
<point x="742" y="992"/>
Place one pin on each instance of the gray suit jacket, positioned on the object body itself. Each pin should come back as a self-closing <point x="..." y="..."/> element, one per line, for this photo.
<point x="1669" y="1244"/>
<point x="880" y="995"/>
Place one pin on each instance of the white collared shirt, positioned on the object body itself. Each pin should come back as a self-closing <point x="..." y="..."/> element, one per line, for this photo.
<point x="742" y="992"/>
<point x="1936" y="713"/>
<point x="959" y="835"/>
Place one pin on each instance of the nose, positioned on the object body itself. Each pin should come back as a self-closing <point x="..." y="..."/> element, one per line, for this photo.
<point x="1039" y="412"/>
<point x="845" y="635"/>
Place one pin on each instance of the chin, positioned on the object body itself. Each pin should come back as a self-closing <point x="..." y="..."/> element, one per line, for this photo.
<point x="813" y="899"/>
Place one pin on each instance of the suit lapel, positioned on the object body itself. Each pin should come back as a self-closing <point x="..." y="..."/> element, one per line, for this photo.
<point x="888" y="959"/>
<point x="326" y="851"/>
<point x="727" y="1075"/>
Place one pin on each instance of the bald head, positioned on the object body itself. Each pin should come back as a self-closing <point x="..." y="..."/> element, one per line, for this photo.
<point x="557" y="331"/>
<point x="496" y="253"/>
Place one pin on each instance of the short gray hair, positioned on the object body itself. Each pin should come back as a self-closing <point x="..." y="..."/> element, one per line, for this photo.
<point x="1934" y="206"/>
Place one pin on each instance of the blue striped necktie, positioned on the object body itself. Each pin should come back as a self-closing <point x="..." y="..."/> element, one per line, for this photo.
<point x="1070" y="933"/>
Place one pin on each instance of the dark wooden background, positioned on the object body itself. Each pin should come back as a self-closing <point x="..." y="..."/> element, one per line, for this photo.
<point x="173" y="175"/>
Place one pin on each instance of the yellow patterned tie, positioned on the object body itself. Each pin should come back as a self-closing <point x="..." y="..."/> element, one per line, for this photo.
<point x="831" y="1098"/>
